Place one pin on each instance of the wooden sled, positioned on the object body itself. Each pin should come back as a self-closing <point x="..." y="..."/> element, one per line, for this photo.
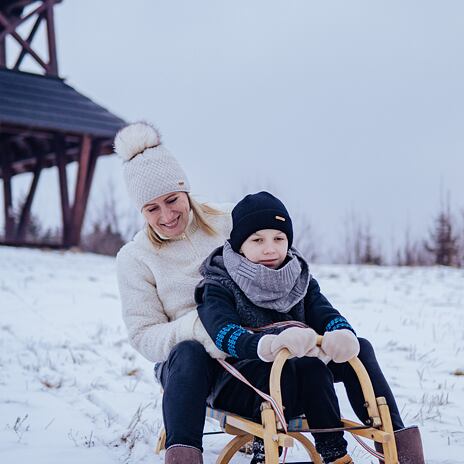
<point x="380" y="427"/>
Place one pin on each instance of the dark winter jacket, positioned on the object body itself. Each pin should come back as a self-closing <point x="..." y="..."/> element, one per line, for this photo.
<point x="228" y="315"/>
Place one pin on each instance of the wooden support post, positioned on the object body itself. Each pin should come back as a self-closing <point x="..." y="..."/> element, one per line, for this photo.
<point x="26" y="209"/>
<point x="389" y="448"/>
<point x="2" y="53"/>
<point x="53" y="62"/>
<point x="88" y="185"/>
<point x="7" y="198"/>
<point x="271" y="443"/>
<point x="60" y="153"/>
<point x="82" y="187"/>
<point x="91" y="171"/>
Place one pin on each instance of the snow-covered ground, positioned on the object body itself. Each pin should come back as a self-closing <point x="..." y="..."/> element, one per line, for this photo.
<point x="72" y="390"/>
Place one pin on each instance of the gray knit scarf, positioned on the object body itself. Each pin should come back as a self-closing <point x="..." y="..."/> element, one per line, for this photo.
<point x="278" y="289"/>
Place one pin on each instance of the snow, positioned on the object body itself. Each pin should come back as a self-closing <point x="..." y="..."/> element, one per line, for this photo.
<point x="73" y="390"/>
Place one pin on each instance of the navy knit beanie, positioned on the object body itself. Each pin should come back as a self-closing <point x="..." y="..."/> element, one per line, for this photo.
<point x="259" y="211"/>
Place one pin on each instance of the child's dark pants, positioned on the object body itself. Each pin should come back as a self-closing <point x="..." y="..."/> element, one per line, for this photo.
<point x="307" y="388"/>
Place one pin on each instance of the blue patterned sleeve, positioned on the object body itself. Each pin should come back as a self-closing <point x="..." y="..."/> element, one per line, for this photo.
<point x="338" y="323"/>
<point x="217" y="311"/>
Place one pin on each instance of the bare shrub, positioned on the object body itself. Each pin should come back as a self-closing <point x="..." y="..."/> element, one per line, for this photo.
<point x="20" y="427"/>
<point x="139" y="429"/>
<point x="360" y="247"/>
<point x="412" y="253"/>
<point x="34" y="230"/>
<point x="105" y="233"/>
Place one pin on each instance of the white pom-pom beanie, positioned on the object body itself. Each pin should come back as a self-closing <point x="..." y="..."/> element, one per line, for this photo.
<point x="150" y="170"/>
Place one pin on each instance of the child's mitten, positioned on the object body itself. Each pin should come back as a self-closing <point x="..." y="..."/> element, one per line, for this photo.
<point x="297" y="340"/>
<point x="340" y="345"/>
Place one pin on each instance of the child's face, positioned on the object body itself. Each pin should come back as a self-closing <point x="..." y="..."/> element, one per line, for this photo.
<point x="267" y="247"/>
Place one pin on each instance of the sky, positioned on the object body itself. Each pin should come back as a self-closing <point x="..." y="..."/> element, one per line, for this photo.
<point x="337" y="107"/>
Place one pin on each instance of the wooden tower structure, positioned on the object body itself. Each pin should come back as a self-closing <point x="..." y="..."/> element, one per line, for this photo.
<point x="45" y="123"/>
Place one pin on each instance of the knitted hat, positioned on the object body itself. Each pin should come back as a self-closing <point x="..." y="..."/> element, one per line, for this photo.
<point x="259" y="211"/>
<point x="149" y="169"/>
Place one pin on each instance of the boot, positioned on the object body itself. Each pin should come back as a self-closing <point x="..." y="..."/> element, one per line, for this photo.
<point x="408" y="445"/>
<point x="183" y="454"/>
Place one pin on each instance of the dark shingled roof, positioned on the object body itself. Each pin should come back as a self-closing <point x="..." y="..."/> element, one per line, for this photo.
<point x="44" y="102"/>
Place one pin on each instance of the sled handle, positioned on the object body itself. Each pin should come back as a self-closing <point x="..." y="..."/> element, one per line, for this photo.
<point x="355" y="363"/>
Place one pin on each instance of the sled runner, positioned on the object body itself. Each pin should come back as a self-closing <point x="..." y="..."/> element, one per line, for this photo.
<point x="276" y="433"/>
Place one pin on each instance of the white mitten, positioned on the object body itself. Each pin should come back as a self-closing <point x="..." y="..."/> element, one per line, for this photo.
<point x="297" y="340"/>
<point x="314" y="352"/>
<point x="323" y="357"/>
<point x="340" y="345"/>
<point x="264" y="348"/>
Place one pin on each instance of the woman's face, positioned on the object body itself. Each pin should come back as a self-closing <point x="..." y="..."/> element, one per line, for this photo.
<point x="267" y="247"/>
<point x="168" y="214"/>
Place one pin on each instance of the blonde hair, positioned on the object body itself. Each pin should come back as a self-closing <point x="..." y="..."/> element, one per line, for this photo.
<point x="199" y="210"/>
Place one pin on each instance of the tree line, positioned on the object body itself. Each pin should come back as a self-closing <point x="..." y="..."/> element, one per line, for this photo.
<point x="107" y="229"/>
<point x="442" y="243"/>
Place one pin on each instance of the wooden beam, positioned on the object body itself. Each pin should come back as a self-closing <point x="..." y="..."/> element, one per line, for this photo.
<point x="15" y="4"/>
<point x="60" y="153"/>
<point x="29" y="40"/>
<point x="11" y="26"/>
<point x="7" y="195"/>
<point x="93" y="163"/>
<point x="4" y="21"/>
<point x="26" y="210"/>
<point x="2" y="54"/>
<point x="53" y="62"/>
<point x="78" y="209"/>
<point x="88" y="186"/>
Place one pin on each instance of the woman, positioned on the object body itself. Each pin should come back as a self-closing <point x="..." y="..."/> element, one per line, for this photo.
<point x="157" y="274"/>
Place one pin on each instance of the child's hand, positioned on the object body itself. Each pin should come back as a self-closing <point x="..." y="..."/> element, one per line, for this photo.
<point x="300" y="342"/>
<point x="340" y="345"/>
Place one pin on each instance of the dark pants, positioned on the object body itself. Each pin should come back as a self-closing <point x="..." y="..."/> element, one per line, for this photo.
<point x="187" y="378"/>
<point x="344" y="373"/>
<point x="189" y="375"/>
<point x="307" y="387"/>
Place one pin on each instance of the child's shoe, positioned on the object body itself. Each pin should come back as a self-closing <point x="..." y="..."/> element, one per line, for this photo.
<point x="258" y="451"/>
<point x="332" y="448"/>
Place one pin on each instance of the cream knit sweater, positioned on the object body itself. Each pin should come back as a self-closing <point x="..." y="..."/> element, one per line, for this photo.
<point x="157" y="288"/>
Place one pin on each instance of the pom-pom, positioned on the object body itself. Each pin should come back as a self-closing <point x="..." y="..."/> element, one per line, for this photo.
<point x="134" y="139"/>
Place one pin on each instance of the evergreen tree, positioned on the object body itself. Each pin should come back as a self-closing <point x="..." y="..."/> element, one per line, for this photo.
<point x="443" y="243"/>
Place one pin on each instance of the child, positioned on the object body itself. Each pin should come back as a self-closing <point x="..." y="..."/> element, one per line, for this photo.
<point x="257" y="278"/>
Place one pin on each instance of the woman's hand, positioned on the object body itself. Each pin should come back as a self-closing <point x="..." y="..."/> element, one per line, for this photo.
<point x="340" y="345"/>
<point x="264" y="348"/>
